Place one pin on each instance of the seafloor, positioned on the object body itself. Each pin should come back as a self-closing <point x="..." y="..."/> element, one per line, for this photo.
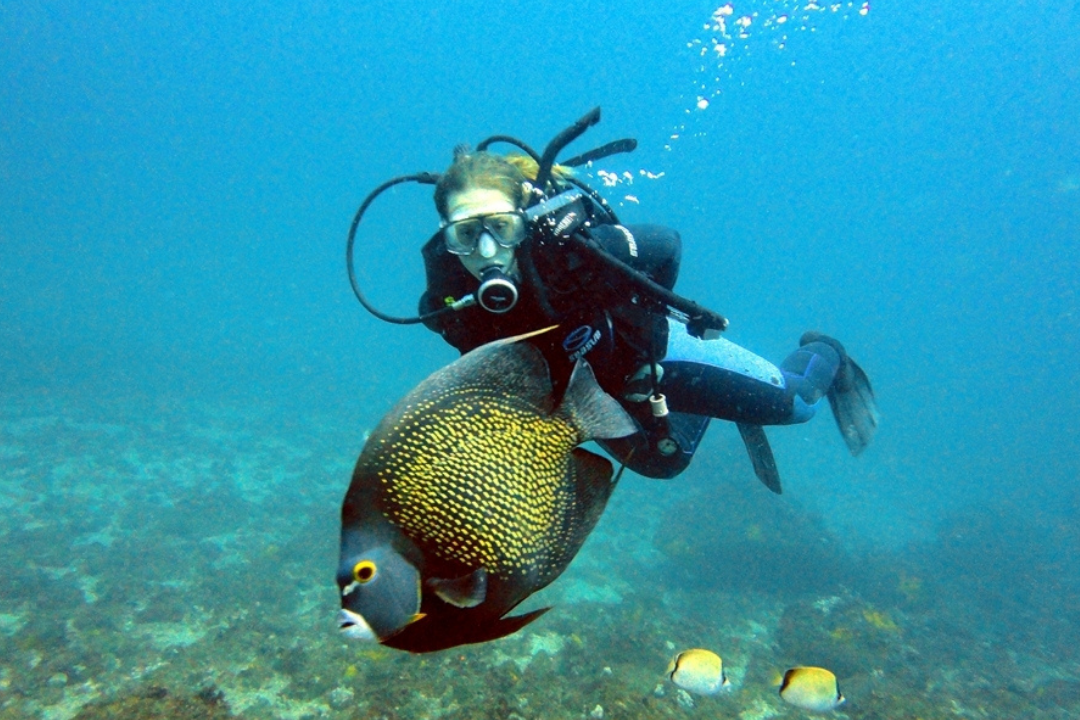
<point x="175" y="560"/>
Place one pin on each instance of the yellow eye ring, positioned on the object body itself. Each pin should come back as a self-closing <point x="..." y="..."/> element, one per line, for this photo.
<point x="364" y="571"/>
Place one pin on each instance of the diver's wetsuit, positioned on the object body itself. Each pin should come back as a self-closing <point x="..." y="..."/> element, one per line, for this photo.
<point x="599" y="319"/>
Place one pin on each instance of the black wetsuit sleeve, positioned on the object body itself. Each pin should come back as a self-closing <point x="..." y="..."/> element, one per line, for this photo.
<point x="447" y="281"/>
<point x="654" y="250"/>
<point x="640" y="332"/>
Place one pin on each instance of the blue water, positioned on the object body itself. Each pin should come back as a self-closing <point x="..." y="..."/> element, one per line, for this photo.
<point x="181" y="357"/>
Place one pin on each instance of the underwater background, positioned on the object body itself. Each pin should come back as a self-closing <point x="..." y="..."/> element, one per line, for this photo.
<point x="186" y="379"/>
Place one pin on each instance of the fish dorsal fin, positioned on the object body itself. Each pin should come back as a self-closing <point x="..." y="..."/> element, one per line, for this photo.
<point x="591" y="410"/>
<point x="463" y="592"/>
<point x="507" y="367"/>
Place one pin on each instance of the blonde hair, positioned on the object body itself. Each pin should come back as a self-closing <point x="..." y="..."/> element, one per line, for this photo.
<point x="508" y="174"/>
<point x="530" y="168"/>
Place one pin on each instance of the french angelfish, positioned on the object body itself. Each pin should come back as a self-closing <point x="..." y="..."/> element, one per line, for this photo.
<point x="469" y="496"/>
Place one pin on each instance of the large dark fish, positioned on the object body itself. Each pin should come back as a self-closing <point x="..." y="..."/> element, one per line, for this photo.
<point x="470" y="496"/>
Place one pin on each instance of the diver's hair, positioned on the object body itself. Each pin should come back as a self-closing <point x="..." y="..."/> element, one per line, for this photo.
<point x="508" y="174"/>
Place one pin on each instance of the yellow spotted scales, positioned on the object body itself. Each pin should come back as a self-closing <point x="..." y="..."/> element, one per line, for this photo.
<point x="497" y="494"/>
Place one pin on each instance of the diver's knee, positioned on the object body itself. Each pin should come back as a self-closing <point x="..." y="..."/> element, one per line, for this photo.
<point x="660" y="460"/>
<point x="663" y="449"/>
<point x="673" y="442"/>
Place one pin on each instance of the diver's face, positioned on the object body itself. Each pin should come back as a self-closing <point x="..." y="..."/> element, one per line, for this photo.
<point x="488" y="253"/>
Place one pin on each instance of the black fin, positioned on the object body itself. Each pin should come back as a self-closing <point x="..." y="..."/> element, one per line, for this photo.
<point x="854" y="407"/>
<point x="502" y="367"/>
<point x="430" y="635"/>
<point x="850" y="397"/>
<point x="508" y="625"/>
<point x="757" y="445"/>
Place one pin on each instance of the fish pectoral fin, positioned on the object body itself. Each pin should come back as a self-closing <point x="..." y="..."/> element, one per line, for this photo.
<point x="464" y="592"/>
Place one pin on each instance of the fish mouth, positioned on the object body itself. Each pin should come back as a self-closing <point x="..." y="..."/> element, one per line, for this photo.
<point x="355" y="627"/>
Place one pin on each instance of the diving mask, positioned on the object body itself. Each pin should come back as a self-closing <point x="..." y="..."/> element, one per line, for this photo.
<point x="506" y="228"/>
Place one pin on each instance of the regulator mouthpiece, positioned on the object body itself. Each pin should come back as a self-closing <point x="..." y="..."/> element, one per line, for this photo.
<point x="497" y="293"/>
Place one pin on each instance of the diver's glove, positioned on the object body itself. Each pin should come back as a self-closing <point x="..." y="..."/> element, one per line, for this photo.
<point x="850" y="397"/>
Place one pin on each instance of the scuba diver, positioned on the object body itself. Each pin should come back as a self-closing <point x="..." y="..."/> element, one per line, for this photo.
<point x="524" y="244"/>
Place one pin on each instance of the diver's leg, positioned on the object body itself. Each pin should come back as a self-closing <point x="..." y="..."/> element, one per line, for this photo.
<point x="722" y="380"/>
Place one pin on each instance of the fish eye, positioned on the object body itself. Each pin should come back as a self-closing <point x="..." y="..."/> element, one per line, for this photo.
<point x="364" y="571"/>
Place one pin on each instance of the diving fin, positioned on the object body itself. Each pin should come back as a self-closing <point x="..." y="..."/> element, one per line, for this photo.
<point x="757" y="445"/>
<point x="850" y="397"/>
<point x="853" y="405"/>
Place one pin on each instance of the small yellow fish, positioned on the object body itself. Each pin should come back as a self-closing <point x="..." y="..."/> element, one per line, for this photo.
<point x="698" y="671"/>
<point x="811" y="688"/>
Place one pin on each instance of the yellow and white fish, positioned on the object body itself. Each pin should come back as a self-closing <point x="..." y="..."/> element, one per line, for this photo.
<point x="811" y="688"/>
<point x="698" y="671"/>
